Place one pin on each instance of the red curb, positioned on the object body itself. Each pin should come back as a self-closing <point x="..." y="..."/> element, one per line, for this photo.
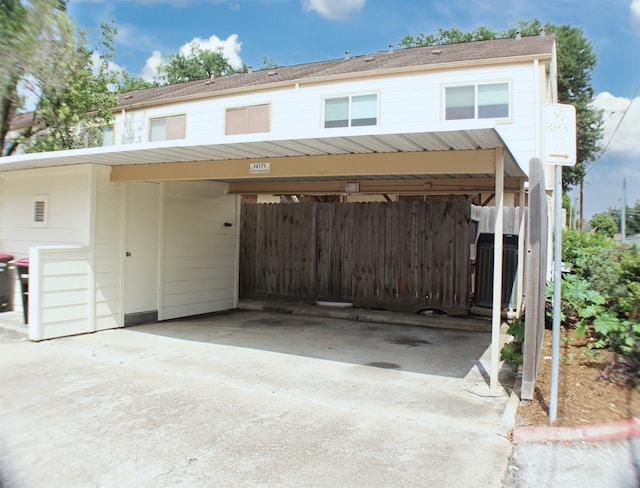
<point x="610" y="431"/>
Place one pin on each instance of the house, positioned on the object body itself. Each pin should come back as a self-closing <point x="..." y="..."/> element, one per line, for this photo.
<point x="147" y="226"/>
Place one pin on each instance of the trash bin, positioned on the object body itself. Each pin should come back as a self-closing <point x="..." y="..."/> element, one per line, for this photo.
<point x="6" y="283"/>
<point x="22" y="267"/>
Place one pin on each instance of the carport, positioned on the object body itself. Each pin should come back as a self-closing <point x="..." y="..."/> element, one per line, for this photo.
<point x="465" y="161"/>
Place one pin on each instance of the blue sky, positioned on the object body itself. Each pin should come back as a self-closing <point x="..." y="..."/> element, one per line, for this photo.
<point x="300" y="31"/>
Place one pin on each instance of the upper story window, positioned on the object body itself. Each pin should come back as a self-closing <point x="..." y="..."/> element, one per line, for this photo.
<point x="248" y="120"/>
<point x="351" y="111"/>
<point x="481" y="101"/>
<point x="99" y="136"/>
<point x="167" y="128"/>
<point x="107" y="136"/>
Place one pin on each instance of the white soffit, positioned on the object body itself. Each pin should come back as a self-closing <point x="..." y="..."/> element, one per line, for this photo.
<point x="179" y="151"/>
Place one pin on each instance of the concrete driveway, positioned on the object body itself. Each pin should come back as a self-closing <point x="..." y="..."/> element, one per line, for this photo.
<point x="253" y="399"/>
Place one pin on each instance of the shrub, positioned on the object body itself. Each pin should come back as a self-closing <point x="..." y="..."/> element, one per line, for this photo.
<point x="512" y="351"/>
<point x="604" y="223"/>
<point x="602" y="294"/>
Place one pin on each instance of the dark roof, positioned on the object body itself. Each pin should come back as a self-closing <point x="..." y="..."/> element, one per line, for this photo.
<point x="397" y="59"/>
<point x="21" y="121"/>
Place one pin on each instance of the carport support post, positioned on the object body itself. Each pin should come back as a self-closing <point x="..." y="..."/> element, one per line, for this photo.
<point x="496" y="316"/>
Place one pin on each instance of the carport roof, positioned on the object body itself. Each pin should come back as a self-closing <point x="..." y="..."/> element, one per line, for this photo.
<point x="260" y="150"/>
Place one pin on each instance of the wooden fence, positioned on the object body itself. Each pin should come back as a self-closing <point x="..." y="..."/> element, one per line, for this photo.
<point x="401" y="256"/>
<point x="537" y="239"/>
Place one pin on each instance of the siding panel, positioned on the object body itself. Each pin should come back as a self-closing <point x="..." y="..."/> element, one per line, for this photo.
<point x="107" y="262"/>
<point x="199" y="265"/>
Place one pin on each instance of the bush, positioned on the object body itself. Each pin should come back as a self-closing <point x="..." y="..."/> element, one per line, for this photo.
<point x="512" y="351"/>
<point x="602" y="295"/>
<point x="604" y="223"/>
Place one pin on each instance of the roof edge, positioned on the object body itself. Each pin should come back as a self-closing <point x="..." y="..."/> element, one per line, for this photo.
<point x="415" y="69"/>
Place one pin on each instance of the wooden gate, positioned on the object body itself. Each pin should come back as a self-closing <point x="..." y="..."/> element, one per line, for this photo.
<point x="401" y="256"/>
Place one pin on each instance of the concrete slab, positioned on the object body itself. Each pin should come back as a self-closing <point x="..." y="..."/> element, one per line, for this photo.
<point x="252" y="399"/>
<point x="611" y="464"/>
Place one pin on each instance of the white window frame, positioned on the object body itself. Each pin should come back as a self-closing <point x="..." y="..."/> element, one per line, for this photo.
<point x="476" y="105"/>
<point x="350" y="110"/>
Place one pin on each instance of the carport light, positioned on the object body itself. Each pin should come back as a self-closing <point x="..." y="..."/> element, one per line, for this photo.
<point x="352" y="186"/>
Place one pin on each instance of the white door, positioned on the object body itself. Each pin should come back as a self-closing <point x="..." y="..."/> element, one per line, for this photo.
<point x="141" y="252"/>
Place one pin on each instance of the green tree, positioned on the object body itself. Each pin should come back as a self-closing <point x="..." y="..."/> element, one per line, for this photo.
<point x="604" y="224"/>
<point x="130" y="83"/>
<point x="200" y="64"/>
<point x="449" y="36"/>
<point x="268" y="63"/>
<point x="16" y="28"/>
<point x="632" y="218"/>
<point x="45" y="61"/>
<point x="576" y="62"/>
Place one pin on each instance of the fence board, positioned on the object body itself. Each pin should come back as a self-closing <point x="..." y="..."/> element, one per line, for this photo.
<point x="403" y="256"/>
<point x="535" y="281"/>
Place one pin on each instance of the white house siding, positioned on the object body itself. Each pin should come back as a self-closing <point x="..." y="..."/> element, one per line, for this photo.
<point x="2" y="230"/>
<point x="199" y="256"/>
<point x="67" y="192"/>
<point x="107" y="250"/>
<point x="408" y="103"/>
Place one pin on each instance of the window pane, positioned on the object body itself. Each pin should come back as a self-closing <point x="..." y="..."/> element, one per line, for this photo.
<point x="236" y="121"/>
<point x="336" y="112"/>
<point x="460" y="102"/>
<point x="364" y="110"/>
<point x="158" y="130"/>
<point x="175" y="127"/>
<point x="493" y="100"/>
<point x="107" y="136"/>
<point x="258" y="119"/>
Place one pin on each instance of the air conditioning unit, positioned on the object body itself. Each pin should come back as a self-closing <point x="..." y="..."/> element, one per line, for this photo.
<point x="484" y="271"/>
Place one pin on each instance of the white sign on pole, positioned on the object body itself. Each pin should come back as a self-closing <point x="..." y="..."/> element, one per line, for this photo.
<point x="560" y="149"/>
<point x="560" y="134"/>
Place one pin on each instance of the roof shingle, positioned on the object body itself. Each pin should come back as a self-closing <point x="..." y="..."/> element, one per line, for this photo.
<point x="383" y="61"/>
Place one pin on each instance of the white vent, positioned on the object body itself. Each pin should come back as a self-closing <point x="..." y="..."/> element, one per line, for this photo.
<point x="40" y="210"/>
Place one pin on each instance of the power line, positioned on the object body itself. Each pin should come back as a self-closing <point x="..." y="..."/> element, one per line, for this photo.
<point x="604" y="149"/>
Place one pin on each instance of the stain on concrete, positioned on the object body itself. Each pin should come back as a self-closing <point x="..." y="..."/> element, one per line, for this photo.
<point x="384" y="365"/>
<point x="408" y="341"/>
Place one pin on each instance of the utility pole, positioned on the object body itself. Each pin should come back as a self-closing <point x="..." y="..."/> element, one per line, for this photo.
<point x="571" y="216"/>
<point x="581" y="208"/>
<point x="623" y="218"/>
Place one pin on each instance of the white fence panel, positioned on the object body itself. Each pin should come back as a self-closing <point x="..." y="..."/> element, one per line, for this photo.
<point x="60" y="292"/>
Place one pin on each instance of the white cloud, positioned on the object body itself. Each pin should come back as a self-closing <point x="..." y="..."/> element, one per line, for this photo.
<point x="229" y="47"/>
<point x="333" y="9"/>
<point x="622" y="137"/>
<point x="150" y="69"/>
<point x="635" y="14"/>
